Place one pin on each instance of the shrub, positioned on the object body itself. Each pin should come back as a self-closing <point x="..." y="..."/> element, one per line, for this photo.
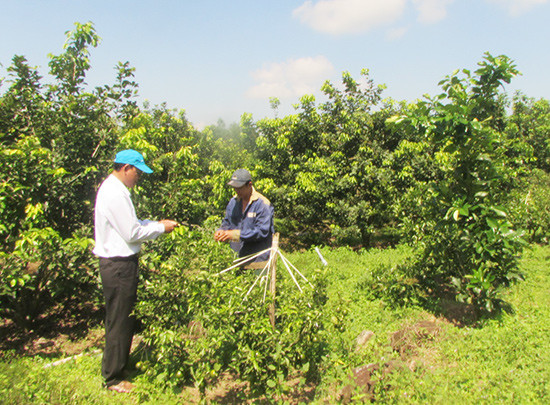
<point x="468" y="243"/>
<point x="529" y="206"/>
<point x="42" y="271"/>
<point x="198" y="326"/>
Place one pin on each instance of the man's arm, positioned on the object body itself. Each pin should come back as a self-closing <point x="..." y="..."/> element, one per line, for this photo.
<point x="122" y="217"/>
<point x="226" y="232"/>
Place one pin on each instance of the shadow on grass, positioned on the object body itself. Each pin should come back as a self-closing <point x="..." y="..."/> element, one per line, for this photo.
<point x="444" y="304"/>
<point x="63" y="329"/>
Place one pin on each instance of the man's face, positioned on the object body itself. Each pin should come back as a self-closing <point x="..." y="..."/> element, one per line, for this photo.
<point x="244" y="192"/>
<point x="131" y="175"/>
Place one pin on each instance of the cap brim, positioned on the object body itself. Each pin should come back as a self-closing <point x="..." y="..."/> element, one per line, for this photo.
<point x="144" y="168"/>
<point x="236" y="184"/>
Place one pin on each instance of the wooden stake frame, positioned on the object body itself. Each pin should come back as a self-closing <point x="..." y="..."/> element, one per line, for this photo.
<point x="269" y="273"/>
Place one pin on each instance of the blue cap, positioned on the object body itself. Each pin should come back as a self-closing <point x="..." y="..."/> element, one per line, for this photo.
<point x="134" y="158"/>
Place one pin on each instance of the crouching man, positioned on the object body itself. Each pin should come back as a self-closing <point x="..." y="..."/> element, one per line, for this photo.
<point x="248" y="221"/>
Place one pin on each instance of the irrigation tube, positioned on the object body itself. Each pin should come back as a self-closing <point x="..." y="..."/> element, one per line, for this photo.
<point x="58" y="362"/>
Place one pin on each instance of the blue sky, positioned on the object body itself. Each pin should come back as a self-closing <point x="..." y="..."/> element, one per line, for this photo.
<point x="220" y="59"/>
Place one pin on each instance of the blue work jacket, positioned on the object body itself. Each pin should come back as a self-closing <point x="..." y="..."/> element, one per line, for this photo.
<point x="253" y="228"/>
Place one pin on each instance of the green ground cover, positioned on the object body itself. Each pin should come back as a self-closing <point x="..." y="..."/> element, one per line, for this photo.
<point x="414" y="355"/>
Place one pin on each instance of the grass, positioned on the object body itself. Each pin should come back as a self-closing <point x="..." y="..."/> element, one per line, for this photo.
<point x="501" y="360"/>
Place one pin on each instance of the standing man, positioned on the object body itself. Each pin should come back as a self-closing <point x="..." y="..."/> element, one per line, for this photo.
<point x="118" y="237"/>
<point x="248" y="222"/>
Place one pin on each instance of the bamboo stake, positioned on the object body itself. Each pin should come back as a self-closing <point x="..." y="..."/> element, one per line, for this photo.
<point x="269" y="273"/>
<point x="265" y="286"/>
<point x="273" y="271"/>
<point x="294" y="267"/>
<point x="255" y="281"/>
<point x="291" y="274"/>
<point x="240" y="260"/>
<point x="321" y="257"/>
<point x="250" y="256"/>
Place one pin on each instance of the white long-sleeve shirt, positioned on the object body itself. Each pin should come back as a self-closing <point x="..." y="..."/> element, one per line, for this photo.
<point x="118" y="231"/>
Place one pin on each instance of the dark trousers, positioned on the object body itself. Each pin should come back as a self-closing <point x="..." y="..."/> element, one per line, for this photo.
<point x="252" y="247"/>
<point x="119" y="276"/>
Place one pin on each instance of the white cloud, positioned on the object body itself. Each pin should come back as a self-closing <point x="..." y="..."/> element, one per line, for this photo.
<point x="396" y="33"/>
<point x="359" y="16"/>
<point x="431" y="11"/>
<point x="292" y="78"/>
<point x="349" y="16"/>
<point x="517" y="7"/>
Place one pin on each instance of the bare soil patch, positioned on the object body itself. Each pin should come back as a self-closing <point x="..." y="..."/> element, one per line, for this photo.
<point x="231" y="390"/>
<point x="416" y="345"/>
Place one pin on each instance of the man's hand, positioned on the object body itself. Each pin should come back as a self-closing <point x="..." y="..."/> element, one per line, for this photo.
<point x="169" y="225"/>
<point x="222" y="236"/>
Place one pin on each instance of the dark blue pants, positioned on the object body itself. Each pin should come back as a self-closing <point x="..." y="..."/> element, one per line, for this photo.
<point x="119" y="276"/>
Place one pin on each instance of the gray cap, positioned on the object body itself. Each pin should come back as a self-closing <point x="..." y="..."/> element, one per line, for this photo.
<point x="239" y="178"/>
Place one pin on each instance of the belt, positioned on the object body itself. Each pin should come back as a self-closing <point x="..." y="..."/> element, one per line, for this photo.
<point x="122" y="258"/>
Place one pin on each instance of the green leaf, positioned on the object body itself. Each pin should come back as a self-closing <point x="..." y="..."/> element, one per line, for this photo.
<point x="499" y="212"/>
<point x="492" y="223"/>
